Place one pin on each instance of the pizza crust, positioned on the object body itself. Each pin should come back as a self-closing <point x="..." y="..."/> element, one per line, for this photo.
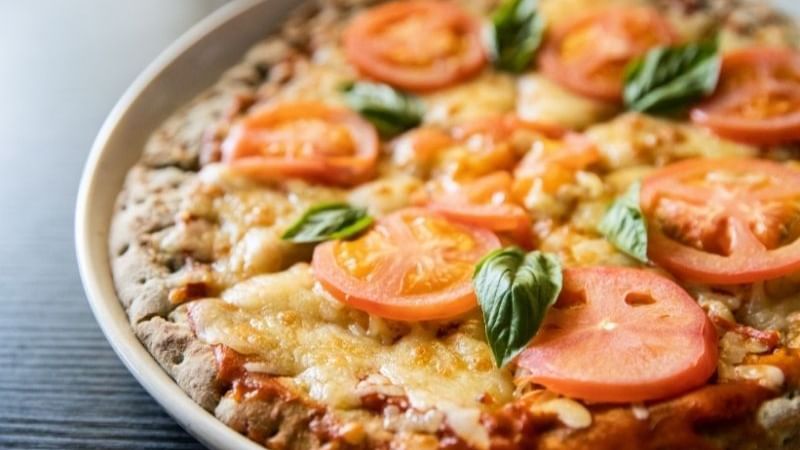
<point x="280" y="422"/>
<point x="147" y="205"/>
<point x="184" y="357"/>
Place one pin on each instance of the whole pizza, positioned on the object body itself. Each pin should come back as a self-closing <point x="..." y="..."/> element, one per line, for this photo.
<point x="479" y="224"/>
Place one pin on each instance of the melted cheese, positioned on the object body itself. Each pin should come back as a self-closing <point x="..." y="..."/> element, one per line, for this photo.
<point x="385" y="195"/>
<point x="320" y="79"/>
<point x="542" y="100"/>
<point x="635" y="139"/>
<point x="238" y="223"/>
<point x="329" y="349"/>
<point x="489" y="94"/>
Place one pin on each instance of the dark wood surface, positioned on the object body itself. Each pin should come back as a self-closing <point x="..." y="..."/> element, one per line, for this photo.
<point x="63" y="64"/>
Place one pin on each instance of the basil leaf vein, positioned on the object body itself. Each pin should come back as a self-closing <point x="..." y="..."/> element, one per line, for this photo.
<point x="514" y="291"/>
<point x="328" y="221"/>
<point x="391" y="111"/>
<point x="624" y="224"/>
<point x="667" y="79"/>
<point x="514" y="34"/>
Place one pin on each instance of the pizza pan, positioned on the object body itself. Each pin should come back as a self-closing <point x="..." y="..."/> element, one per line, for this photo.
<point x="182" y="71"/>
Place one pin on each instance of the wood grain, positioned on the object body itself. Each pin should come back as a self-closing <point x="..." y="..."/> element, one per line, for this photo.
<point x="63" y="64"/>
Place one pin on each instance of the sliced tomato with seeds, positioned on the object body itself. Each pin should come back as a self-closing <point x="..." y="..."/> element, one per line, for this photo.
<point x="414" y="264"/>
<point x="485" y="202"/>
<point x="757" y="99"/>
<point x="724" y="221"/>
<point x="308" y="140"/>
<point x="589" y="55"/>
<point x="418" y="45"/>
<point x="620" y="335"/>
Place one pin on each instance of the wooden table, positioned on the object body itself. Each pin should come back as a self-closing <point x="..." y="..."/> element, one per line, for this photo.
<point x="63" y="64"/>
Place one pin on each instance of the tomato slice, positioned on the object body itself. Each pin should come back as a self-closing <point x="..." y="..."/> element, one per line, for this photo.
<point x="724" y="221"/>
<point x="303" y="139"/>
<point x="492" y="144"/>
<point x="485" y="202"/>
<point x="419" y="45"/>
<point x="589" y="55"/>
<point x="414" y="264"/>
<point x="619" y="335"/>
<point x="757" y="99"/>
<point x="553" y="163"/>
<point x="502" y="128"/>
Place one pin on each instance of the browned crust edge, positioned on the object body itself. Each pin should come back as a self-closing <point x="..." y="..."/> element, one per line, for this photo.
<point x="146" y="208"/>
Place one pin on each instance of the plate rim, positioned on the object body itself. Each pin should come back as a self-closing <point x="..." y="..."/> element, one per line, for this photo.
<point x="94" y="266"/>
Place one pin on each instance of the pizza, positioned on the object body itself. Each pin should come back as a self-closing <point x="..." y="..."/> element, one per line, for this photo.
<point x="480" y="224"/>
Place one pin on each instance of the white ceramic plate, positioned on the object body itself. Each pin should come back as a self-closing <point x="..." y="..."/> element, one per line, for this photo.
<point x="182" y="71"/>
<point x="185" y="69"/>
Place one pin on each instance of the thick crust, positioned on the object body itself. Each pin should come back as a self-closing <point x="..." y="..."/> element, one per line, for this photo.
<point x="146" y="210"/>
<point x="184" y="357"/>
<point x="147" y="205"/>
<point x="278" y="422"/>
<point x="144" y="274"/>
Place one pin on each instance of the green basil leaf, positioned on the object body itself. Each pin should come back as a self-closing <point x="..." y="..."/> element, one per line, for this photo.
<point x="624" y="225"/>
<point x="514" y="291"/>
<point x="667" y="79"/>
<point x="514" y="34"/>
<point x="328" y="221"/>
<point x="391" y="111"/>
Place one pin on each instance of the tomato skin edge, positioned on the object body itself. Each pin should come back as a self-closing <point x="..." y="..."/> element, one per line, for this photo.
<point x="696" y="265"/>
<point x="463" y="303"/>
<point x="770" y="131"/>
<point x="241" y="152"/>
<point x="356" y="49"/>
<point x="551" y="65"/>
<point x="622" y="393"/>
<point x="373" y="299"/>
<point x="779" y="131"/>
<point x="602" y="283"/>
<point x="678" y="258"/>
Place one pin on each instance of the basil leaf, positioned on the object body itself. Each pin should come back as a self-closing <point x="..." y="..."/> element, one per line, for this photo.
<point x="624" y="225"/>
<point x="667" y="79"/>
<point x="328" y="221"/>
<point x="514" y="34"/>
<point x="514" y="291"/>
<point x="391" y="111"/>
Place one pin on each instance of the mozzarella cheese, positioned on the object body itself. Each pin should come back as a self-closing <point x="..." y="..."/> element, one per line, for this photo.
<point x="333" y="352"/>
<point x="487" y="95"/>
<point x="542" y="100"/>
<point x="635" y="139"/>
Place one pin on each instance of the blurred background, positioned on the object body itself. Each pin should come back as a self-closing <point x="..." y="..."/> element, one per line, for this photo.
<point x="63" y="65"/>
